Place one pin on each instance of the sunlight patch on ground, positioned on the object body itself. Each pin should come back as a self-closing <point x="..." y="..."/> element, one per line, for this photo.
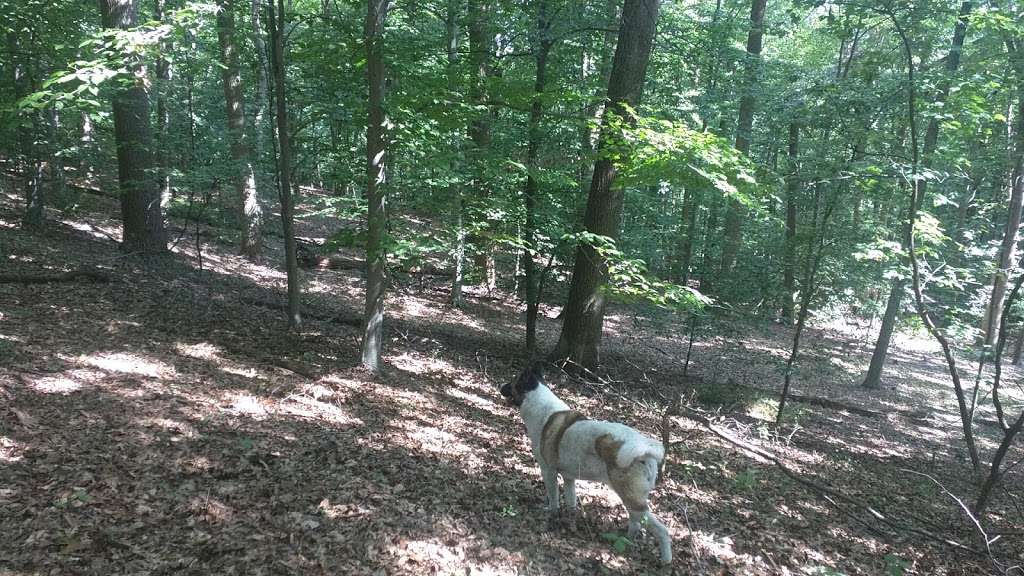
<point x="850" y="367"/>
<point x="126" y="363"/>
<point x="247" y="405"/>
<point x="475" y="400"/>
<point x="201" y="350"/>
<point x="55" y="385"/>
<point x="344" y="511"/>
<point x="9" y="452"/>
<point x="177" y="428"/>
<point x="311" y="407"/>
<point x="210" y="509"/>
<point x="435" y="552"/>
<point x="102" y="233"/>
<point x="417" y="364"/>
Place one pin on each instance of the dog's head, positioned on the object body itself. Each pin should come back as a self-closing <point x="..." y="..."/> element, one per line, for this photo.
<point x="529" y="380"/>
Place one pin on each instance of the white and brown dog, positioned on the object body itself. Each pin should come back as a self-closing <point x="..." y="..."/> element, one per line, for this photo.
<point x="565" y="442"/>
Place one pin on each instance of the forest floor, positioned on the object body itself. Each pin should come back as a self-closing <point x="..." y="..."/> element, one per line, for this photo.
<point x="164" y="422"/>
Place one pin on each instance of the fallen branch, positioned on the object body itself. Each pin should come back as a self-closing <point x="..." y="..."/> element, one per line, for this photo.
<point x="90" y="275"/>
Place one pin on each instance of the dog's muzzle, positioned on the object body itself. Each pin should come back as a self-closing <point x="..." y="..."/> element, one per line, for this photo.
<point x="509" y="394"/>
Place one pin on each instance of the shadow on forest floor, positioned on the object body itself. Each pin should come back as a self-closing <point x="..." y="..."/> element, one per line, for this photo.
<point x="165" y="423"/>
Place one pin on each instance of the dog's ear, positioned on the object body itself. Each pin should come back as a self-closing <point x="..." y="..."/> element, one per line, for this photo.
<point x="529" y="379"/>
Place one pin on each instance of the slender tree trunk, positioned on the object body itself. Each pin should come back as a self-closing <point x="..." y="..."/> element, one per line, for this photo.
<point x="284" y="163"/>
<point x="789" y="256"/>
<point x="583" y="316"/>
<point x="373" y="312"/>
<point x="691" y="204"/>
<point x="56" y="159"/>
<point x="246" y="199"/>
<point x="873" y="379"/>
<point x="748" y="102"/>
<point x="481" y="40"/>
<point x="916" y="199"/>
<point x="142" y="219"/>
<point x="815" y="253"/>
<point x="588" y="135"/>
<point x="28" y="150"/>
<point x="163" y="81"/>
<point x="542" y="47"/>
<point x="259" y="122"/>
<point x="1008" y="249"/>
<point x="708" y="245"/>
<point x="455" y="189"/>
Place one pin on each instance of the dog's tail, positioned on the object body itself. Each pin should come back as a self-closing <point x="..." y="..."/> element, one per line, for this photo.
<point x="637" y="447"/>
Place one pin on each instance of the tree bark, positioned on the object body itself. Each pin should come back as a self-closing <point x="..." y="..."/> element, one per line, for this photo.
<point x="691" y="203"/>
<point x="481" y="40"/>
<point x="373" y="311"/>
<point x="163" y="79"/>
<point x="789" y="248"/>
<point x="1008" y="248"/>
<point x="583" y="316"/>
<point x="284" y="163"/>
<point x="455" y="189"/>
<point x="542" y="47"/>
<point x="748" y="102"/>
<point x="246" y="199"/>
<point x="588" y="135"/>
<point x="142" y="219"/>
<point x="259" y="124"/>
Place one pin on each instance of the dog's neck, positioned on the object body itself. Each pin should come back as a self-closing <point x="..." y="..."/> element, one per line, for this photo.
<point x="539" y="404"/>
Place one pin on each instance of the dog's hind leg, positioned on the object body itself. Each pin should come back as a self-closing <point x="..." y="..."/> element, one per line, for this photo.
<point x="551" y="488"/>
<point x="635" y="517"/>
<point x="570" y="493"/>
<point x="664" y="540"/>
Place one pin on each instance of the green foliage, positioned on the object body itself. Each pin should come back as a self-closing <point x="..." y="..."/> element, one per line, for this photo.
<point x="746" y="480"/>
<point x="618" y="542"/>
<point x="896" y="566"/>
<point x="629" y="281"/>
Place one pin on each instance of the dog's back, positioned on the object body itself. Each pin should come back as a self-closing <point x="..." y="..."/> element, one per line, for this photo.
<point x="594" y="449"/>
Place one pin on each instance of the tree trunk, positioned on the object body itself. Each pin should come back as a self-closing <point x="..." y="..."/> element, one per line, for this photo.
<point x="789" y="255"/>
<point x="373" y="312"/>
<point x="259" y="124"/>
<point x="163" y="80"/>
<point x="748" y="102"/>
<point x="481" y="39"/>
<point x="284" y="163"/>
<point x="691" y="203"/>
<point x="1008" y="249"/>
<point x="542" y="47"/>
<point x="588" y="135"/>
<point x="246" y="199"/>
<point x="584" y="311"/>
<point x="873" y="380"/>
<point x="455" y="189"/>
<point x="142" y="219"/>
<point x="815" y="252"/>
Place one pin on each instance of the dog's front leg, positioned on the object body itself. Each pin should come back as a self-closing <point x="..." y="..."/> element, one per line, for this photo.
<point x="551" y="488"/>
